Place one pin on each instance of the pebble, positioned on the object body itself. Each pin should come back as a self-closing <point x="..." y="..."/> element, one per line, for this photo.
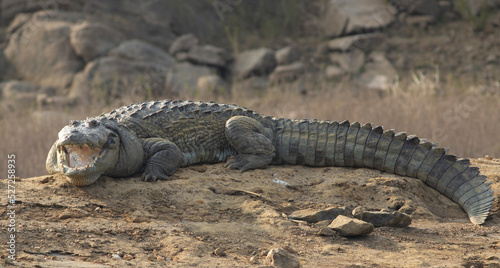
<point x="382" y="218"/>
<point x="350" y="227"/>
<point x="281" y="258"/>
<point x="313" y="215"/>
<point x="219" y="252"/>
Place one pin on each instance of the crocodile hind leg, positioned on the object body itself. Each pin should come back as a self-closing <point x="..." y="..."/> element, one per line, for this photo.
<point x="251" y="141"/>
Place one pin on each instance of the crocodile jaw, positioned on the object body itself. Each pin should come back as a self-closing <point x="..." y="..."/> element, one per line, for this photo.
<point x="79" y="163"/>
<point x="84" y="151"/>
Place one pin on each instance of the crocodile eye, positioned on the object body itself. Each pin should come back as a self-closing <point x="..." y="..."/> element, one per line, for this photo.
<point x="111" y="140"/>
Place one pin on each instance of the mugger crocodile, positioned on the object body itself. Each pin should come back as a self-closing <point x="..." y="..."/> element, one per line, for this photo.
<point x="158" y="137"/>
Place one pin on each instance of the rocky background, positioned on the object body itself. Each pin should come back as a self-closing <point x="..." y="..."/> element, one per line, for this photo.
<point x="406" y="64"/>
<point x="66" y="52"/>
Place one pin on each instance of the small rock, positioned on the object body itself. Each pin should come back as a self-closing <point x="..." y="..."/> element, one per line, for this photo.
<point x="46" y="179"/>
<point x="326" y="231"/>
<point x="209" y="55"/>
<point x="358" y="212"/>
<point x="183" y="77"/>
<point x="138" y="216"/>
<point x="379" y="72"/>
<point x="183" y="44"/>
<point x="361" y="42"/>
<point x="408" y="209"/>
<point x="321" y="224"/>
<point x="10" y="262"/>
<point x="312" y="215"/>
<point x="287" y="55"/>
<point x="331" y="250"/>
<point x="334" y="72"/>
<point x="350" y="227"/>
<point x="199" y="168"/>
<point x="210" y="84"/>
<point x="255" y="62"/>
<point x="219" y="252"/>
<point x="286" y="73"/>
<point x="351" y="62"/>
<point x="379" y="218"/>
<point x="281" y="258"/>
<point x="254" y="260"/>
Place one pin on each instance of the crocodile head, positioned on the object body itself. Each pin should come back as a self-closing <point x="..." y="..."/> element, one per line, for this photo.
<point x="84" y="151"/>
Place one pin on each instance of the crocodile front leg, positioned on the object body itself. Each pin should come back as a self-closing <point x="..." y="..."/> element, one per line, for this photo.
<point x="251" y="141"/>
<point x="163" y="159"/>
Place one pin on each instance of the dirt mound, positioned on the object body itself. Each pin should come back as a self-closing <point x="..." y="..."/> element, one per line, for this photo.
<point x="181" y="222"/>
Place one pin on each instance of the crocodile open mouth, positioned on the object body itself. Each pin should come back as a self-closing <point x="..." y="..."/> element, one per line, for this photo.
<point x="81" y="156"/>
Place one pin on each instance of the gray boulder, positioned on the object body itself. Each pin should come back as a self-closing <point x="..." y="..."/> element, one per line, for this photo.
<point x="350" y="61"/>
<point x="91" y="40"/>
<point x="183" y="43"/>
<point x="363" y="42"/>
<point x="379" y="72"/>
<point x="44" y="55"/>
<point x="208" y="55"/>
<point x="183" y="77"/>
<point x="134" y="66"/>
<point x="287" y="73"/>
<point x="210" y="85"/>
<point x="255" y="62"/>
<point x="362" y="15"/>
<point x="14" y="92"/>
<point x="287" y="55"/>
<point x="334" y="21"/>
<point x="137" y="50"/>
<point x="333" y="72"/>
<point x="14" y="88"/>
<point x="109" y="77"/>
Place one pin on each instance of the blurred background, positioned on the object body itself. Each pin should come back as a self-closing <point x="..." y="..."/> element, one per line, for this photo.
<point x="426" y="67"/>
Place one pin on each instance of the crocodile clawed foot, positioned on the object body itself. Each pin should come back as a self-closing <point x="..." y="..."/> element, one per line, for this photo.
<point x="245" y="162"/>
<point x="154" y="176"/>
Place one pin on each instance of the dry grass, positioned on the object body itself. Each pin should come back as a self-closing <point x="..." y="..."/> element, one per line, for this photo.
<point x="462" y="118"/>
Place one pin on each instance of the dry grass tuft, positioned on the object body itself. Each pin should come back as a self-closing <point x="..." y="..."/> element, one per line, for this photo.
<point x="464" y="119"/>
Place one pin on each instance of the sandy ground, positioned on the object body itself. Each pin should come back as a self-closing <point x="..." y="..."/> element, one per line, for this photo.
<point x="180" y="222"/>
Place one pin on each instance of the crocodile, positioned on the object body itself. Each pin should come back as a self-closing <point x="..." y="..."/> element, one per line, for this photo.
<point x="158" y="137"/>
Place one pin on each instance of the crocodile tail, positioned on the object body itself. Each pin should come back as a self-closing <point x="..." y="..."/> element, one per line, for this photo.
<point x="325" y="143"/>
